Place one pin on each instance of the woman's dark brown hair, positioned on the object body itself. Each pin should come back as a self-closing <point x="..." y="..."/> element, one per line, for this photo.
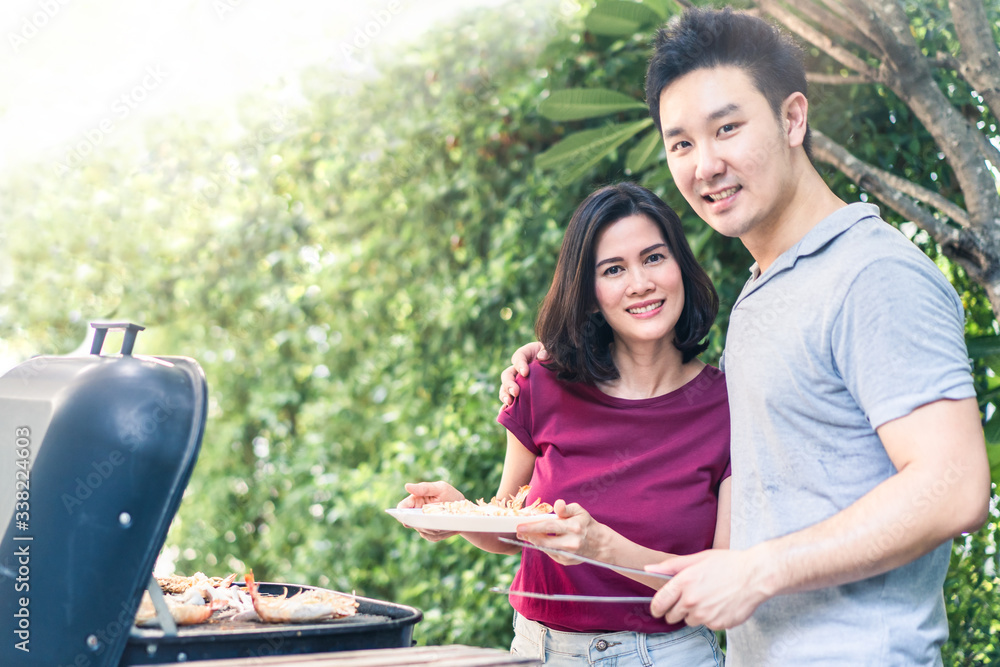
<point x="569" y="325"/>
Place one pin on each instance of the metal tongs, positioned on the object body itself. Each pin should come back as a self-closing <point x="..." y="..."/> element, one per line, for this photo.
<point x="621" y="569"/>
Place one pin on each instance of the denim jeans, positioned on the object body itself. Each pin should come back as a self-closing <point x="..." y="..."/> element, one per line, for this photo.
<point x="687" y="647"/>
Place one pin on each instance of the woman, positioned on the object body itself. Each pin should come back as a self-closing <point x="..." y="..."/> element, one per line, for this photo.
<point x="623" y="419"/>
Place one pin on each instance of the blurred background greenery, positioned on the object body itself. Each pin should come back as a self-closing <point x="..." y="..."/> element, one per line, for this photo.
<point x="353" y="265"/>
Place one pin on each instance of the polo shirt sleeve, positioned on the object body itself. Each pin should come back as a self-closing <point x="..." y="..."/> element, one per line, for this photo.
<point x="899" y="340"/>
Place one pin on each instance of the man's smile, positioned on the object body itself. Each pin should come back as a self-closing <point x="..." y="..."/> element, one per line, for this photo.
<point x="722" y="194"/>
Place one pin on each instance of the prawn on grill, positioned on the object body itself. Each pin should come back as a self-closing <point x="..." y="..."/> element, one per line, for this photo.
<point x="303" y="607"/>
<point x="184" y="614"/>
<point x="178" y="584"/>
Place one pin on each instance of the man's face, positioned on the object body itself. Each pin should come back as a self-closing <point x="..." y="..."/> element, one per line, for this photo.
<point x="728" y="153"/>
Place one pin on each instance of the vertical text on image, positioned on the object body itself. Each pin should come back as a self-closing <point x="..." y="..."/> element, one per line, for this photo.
<point x="22" y="551"/>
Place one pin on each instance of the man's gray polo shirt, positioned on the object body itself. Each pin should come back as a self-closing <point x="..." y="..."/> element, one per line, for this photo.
<point x="850" y="328"/>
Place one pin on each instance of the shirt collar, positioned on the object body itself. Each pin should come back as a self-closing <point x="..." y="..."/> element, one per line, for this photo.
<point x="819" y="236"/>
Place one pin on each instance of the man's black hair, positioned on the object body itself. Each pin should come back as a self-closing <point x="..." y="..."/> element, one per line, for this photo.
<point x="703" y="38"/>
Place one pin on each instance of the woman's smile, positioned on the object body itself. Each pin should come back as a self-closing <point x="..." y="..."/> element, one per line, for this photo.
<point x="646" y="308"/>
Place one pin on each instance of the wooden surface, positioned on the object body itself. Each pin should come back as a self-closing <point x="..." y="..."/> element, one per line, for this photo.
<point x="417" y="656"/>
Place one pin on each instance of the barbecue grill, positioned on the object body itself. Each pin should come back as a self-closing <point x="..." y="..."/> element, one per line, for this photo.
<point x="95" y="454"/>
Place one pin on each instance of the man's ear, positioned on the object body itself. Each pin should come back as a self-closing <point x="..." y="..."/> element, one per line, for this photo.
<point x="795" y="116"/>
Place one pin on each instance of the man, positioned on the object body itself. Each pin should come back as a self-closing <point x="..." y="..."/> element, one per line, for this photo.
<point x="857" y="450"/>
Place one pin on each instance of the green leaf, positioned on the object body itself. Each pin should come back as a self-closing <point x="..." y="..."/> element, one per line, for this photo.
<point x="618" y="18"/>
<point x="578" y="103"/>
<point x="665" y="8"/>
<point x="579" y="152"/>
<point x="983" y="346"/>
<point x="699" y="241"/>
<point x="993" y="454"/>
<point x="992" y="433"/>
<point x="644" y="153"/>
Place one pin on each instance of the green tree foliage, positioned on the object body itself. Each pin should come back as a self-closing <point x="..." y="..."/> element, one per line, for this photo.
<point x="352" y="274"/>
<point x="357" y="326"/>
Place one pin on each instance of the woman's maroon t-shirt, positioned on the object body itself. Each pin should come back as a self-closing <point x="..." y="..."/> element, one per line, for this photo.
<point x="650" y="469"/>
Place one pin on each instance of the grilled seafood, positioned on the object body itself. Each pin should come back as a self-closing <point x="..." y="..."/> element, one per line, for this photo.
<point x="303" y="607"/>
<point x="183" y="613"/>
<point x="512" y="506"/>
<point x="202" y="596"/>
<point x="192" y="600"/>
<point x="177" y="584"/>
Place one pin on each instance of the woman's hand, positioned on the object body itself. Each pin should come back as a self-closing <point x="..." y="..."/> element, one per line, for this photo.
<point x="520" y="360"/>
<point x="424" y="493"/>
<point x="574" y="530"/>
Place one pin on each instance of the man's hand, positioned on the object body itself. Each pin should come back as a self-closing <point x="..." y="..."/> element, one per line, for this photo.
<point x="424" y="493"/>
<point x="717" y="588"/>
<point x="520" y="360"/>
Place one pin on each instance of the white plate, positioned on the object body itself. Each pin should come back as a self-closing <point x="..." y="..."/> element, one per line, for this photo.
<point x="464" y="523"/>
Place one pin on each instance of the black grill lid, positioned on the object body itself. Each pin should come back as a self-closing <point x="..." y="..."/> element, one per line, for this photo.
<point x="95" y="453"/>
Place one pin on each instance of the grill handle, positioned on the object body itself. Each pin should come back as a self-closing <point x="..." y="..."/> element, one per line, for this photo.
<point x="167" y="623"/>
<point x="101" y="330"/>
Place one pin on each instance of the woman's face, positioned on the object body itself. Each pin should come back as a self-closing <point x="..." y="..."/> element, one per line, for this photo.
<point x="638" y="282"/>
